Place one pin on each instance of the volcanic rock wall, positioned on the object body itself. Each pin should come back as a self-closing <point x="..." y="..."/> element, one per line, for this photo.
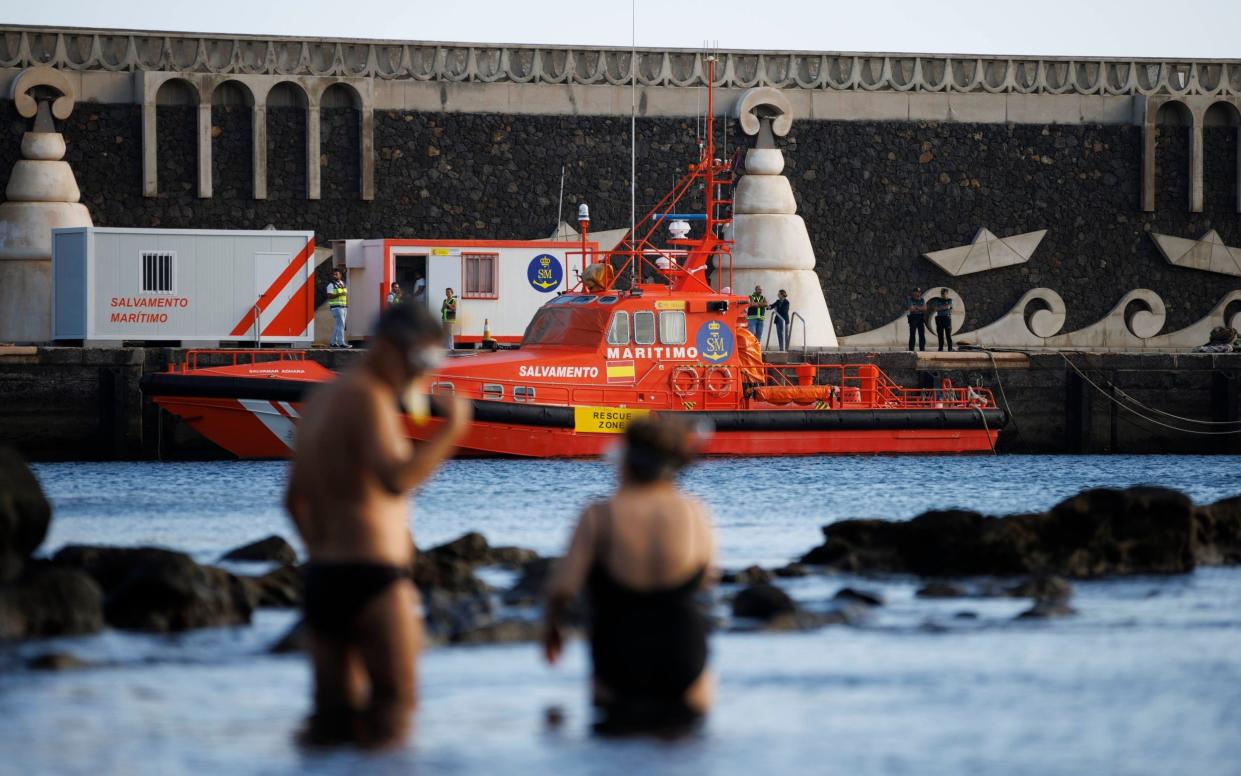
<point x="875" y="195"/>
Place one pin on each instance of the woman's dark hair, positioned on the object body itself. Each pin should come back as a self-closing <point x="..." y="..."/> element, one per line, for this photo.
<point x="656" y="449"/>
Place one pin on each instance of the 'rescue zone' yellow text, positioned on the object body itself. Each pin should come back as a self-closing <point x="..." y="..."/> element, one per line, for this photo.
<point x="604" y="420"/>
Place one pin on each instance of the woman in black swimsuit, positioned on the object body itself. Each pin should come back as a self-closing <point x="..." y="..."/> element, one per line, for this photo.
<point x="642" y="557"/>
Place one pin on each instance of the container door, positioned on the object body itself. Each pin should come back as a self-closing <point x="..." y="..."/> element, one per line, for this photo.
<point x="269" y="301"/>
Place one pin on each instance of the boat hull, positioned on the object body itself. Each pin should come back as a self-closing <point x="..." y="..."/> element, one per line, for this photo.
<point x="255" y="418"/>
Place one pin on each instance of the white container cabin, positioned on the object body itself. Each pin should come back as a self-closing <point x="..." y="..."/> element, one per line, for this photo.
<point x="195" y="286"/>
<point x="498" y="283"/>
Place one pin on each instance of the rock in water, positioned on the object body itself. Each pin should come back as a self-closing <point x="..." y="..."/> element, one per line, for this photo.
<point x="1047" y="610"/>
<point x="1217" y="530"/>
<point x="173" y="593"/>
<point x="1042" y="589"/>
<point x="1097" y="532"/>
<point x="940" y="590"/>
<point x="851" y="595"/>
<point x="1141" y="530"/>
<point x="110" y="566"/>
<point x="24" y="514"/>
<point x="51" y="602"/>
<point x="512" y="557"/>
<point x="56" y="661"/>
<point x="273" y="548"/>
<point x="279" y="589"/>
<point x="762" y="602"/>
<point x="471" y="548"/>
<point x="750" y="575"/>
<point x="433" y="571"/>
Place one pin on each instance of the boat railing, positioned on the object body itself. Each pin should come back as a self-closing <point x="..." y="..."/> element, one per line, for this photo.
<point x="850" y="386"/>
<point x="865" y="386"/>
<point x="788" y="333"/>
<point x="221" y="357"/>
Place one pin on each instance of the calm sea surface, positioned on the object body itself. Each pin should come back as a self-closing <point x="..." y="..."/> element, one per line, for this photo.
<point x="1146" y="679"/>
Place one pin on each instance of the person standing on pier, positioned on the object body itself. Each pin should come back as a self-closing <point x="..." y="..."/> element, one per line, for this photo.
<point x="338" y="303"/>
<point x="780" y="318"/>
<point x="915" y="309"/>
<point x="642" y="557"/>
<point x="348" y="495"/>
<point x="943" y="319"/>
<point x="448" y="316"/>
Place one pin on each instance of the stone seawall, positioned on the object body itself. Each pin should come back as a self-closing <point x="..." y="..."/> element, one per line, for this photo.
<point x="875" y="195"/>
<point x="77" y="403"/>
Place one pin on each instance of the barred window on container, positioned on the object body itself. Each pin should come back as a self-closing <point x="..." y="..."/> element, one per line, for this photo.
<point x="158" y="272"/>
<point x="480" y="276"/>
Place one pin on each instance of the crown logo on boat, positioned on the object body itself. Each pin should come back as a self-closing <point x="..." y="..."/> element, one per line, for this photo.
<point x="714" y="341"/>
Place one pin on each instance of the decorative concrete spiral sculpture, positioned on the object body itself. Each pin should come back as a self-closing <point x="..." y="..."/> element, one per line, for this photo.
<point x="772" y="247"/>
<point x="42" y="195"/>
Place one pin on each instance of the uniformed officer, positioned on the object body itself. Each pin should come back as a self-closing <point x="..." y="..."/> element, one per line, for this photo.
<point x="448" y="314"/>
<point x="755" y="311"/>
<point x="338" y="303"/>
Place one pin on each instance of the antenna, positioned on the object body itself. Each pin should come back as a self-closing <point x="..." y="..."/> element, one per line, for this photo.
<point x="633" y="117"/>
<point x="560" y="207"/>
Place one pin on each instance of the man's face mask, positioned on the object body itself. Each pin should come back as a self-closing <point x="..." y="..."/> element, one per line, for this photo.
<point x="424" y="358"/>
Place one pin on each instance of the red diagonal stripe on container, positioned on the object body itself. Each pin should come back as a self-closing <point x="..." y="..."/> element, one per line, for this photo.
<point x="280" y="282"/>
<point x="295" y="316"/>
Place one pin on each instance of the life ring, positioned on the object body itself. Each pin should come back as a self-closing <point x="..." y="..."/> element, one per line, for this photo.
<point x="683" y="381"/>
<point x="719" y="381"/>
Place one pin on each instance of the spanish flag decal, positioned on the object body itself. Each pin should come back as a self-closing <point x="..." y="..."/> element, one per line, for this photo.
<point x="620" y="372"/>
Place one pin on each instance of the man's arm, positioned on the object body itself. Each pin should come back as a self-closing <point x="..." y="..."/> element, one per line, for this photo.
<point x="396" y="469"/>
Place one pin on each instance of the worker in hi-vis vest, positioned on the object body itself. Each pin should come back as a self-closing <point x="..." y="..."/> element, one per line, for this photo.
<point x="754" y="313"/>
<point x="338" y="303"/>
<point x="448" y="314"/>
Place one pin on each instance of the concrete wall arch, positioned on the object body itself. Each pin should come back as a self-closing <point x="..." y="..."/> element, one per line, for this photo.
<point x="287" y="94"/>
<point x="229" y="92"/>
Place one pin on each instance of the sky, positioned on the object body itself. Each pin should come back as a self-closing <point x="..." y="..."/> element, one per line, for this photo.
<point x="1101" y="28"/>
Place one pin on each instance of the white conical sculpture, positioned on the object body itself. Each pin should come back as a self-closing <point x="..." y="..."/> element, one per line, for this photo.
<point x="42" y="195"/>
<point x="771" y="246"/>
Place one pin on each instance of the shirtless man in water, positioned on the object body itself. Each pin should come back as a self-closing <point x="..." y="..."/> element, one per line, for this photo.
<point x="348" y="494"/>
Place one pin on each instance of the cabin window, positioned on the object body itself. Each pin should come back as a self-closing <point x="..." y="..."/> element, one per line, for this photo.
<point x="672" y="327"/>
<point x="618" y="329"/>
<point x="582" y="300"/>
<point x="479" y="281"/>
<point x="644" y="327"/>
<point x="158" y="275"/>
<point x="609" y="299"/>
<point x="567" y="325"/>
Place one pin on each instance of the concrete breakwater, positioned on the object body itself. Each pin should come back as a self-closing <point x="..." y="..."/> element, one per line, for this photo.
<point x="82" y="403"/>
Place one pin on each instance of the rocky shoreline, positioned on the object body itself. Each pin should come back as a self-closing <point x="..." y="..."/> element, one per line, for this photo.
<point x="82" y="589"/>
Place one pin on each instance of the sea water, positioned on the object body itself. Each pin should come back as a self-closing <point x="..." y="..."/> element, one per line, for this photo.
<point x="1145" y="679"/>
